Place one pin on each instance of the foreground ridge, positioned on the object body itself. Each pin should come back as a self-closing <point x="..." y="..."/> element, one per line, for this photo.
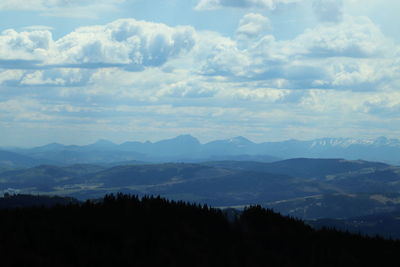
<point x="125" y="230"/>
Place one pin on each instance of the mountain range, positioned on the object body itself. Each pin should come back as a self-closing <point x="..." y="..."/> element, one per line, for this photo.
<point x="186" y="148"/>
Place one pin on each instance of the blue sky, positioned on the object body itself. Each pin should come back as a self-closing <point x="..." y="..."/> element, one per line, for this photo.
<point x="74" y="71"/>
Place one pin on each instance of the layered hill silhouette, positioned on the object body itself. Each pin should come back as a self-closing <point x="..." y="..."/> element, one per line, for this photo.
<point x="304" y="188"/>
<point x="11" y="160"/>
<point x="125" y="230"/>
<point x="222" y="183"/>
<point x="186" y="148"/>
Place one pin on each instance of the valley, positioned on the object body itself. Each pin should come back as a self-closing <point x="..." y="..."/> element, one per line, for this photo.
<point x="224" y="174"/>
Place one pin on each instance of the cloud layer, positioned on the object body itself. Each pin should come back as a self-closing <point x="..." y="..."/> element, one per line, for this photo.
<point x="260" y="4"/>
<point x="133" y="44"/>
<point x="340" y="76"/>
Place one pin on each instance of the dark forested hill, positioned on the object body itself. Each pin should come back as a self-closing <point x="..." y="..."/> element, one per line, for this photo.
<point x="127" y="231"/>
<point x="24" y="201"/>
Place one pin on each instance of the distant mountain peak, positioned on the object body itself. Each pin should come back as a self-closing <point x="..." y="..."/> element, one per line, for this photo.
<point x="186" y="138"/>
<point x="384" y="141"/>
<point x="240" y="140"/>
<point x="347" y="142"/>
<point x="101" y="144"/>
<point x="53" y="145"/>
<point x="381" y="140"/>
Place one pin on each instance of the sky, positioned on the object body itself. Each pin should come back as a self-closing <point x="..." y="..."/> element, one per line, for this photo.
<point x="75" y="71"/>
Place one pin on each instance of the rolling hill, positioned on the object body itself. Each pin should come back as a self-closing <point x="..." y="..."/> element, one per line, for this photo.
<point x="216" y="183"/>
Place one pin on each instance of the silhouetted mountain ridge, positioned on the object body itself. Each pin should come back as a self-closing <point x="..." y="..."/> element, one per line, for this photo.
<point x="186" y="148"/>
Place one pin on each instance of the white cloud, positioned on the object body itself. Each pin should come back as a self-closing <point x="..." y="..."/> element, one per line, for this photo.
<point x="36" y="78"/>
<point x="57" y="77"/>
<point x="135" y="44"/>
<point x="360" y="74"/>
<point x="10" y="75"/>
<point x="351" y="55"/>
<point x="226" y="59"/>
<point x="253" y="25"/>
<point x="326" y="56"/>
<point x="263" y="4"/>
<point x="352" y="106"/>
<point x="354" y="37"/>
<point x="125" y="41"/>
<point x="32" y="45"/>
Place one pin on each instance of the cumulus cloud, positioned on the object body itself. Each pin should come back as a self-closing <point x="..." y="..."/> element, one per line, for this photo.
<point x="263" y="4"/>
<point x="126" y="41"/>
<point x="227" y="59"/>
<point x="253" y="25"/>
<point x="32" y="45"/>
<point x="353" y="54"/>
<point x="354" y="37"/>
<point x="330" y="55"/>
<point x="34" y="58"/>
<point x="130" y="43"/>
<point x="136" y="45"/>
<point x="328" y="10"/>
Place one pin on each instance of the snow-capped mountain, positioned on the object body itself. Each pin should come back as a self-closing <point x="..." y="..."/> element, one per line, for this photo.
<point x="347" y="142"/>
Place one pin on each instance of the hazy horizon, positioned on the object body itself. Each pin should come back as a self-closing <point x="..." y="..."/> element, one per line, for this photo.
<point x="74" y="72"/>
<point x="202" y="142"/>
